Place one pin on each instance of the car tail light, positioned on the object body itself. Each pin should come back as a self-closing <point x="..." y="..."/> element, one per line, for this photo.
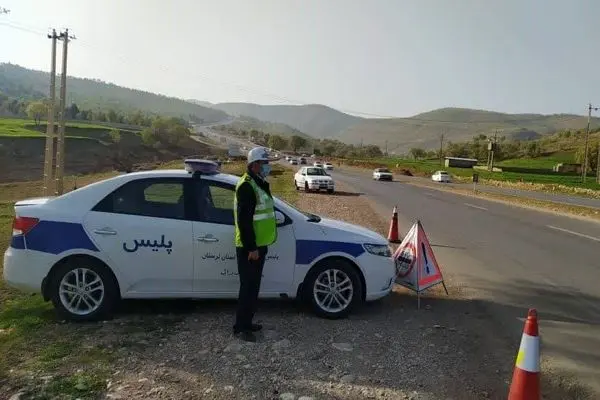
<point x="22" y="225"/>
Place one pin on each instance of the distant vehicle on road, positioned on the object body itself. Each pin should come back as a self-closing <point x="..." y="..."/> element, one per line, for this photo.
<point x="328" y="166"/>
<point x="313" y="178"/>
<point x="383" y="174"/>
<point x="441" y="176"/>
<point x="318" y="164"/>
<point x="293" y="161"/>
<point x="134" y="236"/>
<point x="303" y="160"/>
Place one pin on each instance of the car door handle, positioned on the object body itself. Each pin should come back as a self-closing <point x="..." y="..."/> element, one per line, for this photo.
<point x="207" y="238"/>
<point x="105" y="231"/>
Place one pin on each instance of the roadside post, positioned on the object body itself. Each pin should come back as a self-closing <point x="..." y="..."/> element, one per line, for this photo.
<point x="475" y="181"/>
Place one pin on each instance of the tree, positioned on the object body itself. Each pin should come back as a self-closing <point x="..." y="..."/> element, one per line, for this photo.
<point x="112" y="116"/>
<point x="533" y="149"/>
<point x="165" y="131"/>
<point x="277" y="142"/>
<point x="72" y="111"/>
<point x="297" y="142"/>
<point x="36" y="110"/>
<point x="417" y="153"/>
<point x="115" y="135"/>
<point x="592" y="155"/>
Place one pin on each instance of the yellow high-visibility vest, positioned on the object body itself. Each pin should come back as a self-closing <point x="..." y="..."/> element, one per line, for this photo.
<point x="264" y="222"/>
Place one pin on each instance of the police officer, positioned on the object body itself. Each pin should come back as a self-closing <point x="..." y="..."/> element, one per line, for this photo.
<point x="255" y="229"/>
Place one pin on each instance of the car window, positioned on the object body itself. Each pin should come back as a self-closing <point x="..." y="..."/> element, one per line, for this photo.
<point x="157" y="197"/>
<point x="315" y="171"/>
<point x="214" y="202"/>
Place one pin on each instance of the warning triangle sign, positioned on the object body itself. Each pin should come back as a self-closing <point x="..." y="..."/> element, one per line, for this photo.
<point x="429" y="272"/>
<point x="416" y="266"/>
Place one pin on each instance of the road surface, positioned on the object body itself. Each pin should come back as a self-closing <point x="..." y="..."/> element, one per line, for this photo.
<point x="513" y="259"/>
<point x="553" y="197"/>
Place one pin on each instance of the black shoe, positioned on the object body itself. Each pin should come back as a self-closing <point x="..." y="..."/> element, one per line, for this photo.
<point x="246" y="336"/>
<point x="255" y="327"/>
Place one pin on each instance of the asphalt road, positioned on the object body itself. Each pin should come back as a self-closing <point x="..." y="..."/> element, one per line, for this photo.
<point x="511" y="259"/>
<point x="554" y="197"/>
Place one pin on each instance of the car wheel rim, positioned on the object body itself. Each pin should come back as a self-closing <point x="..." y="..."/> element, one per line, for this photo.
<point x="333" y="290"/>
<point x="81" y="291"/>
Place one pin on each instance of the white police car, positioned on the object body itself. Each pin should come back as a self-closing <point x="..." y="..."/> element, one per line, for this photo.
<point x="169" y="234"/>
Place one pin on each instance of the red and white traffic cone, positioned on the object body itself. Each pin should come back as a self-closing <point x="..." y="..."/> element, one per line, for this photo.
<point x="526" y="377"/>
<point x="393" y="236"/>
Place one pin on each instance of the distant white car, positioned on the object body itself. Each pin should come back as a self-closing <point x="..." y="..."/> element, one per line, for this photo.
<point x="293" y="161"/>
<point x="383" y="174"/>
<point x="441" y="176"/>
<point x="328" y="166"/>
<point x="318" y="164"/>
<point x="313" y="178"/>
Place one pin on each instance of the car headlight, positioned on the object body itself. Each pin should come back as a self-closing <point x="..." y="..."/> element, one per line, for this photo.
<point x="382" y="250"/>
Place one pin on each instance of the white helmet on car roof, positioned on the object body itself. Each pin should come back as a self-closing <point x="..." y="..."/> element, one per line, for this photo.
<point x="258" y="154"/>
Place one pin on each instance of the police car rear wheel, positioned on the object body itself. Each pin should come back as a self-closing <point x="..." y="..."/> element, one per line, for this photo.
<point x="83" y="289"/>
<point x="334" y="289"/>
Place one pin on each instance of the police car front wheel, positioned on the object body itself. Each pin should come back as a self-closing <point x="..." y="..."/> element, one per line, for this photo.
<point x="83" y="289"/>
<point x="333" y="289"/>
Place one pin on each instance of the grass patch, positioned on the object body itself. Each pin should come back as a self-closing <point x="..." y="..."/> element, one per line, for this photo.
<point x="47" y="359"/>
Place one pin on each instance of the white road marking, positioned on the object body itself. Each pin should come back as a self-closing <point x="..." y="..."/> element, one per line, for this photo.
<point x="474" y="206"/>
<point x="574" y="233"/>
<point x="429" y="194"/>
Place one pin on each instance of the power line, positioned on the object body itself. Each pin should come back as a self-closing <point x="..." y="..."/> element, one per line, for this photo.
<point x="587" y="139"/>
<point x="283" y="99"/>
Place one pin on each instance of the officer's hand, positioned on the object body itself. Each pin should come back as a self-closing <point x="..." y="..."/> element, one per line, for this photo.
<point x="253" y="255"/>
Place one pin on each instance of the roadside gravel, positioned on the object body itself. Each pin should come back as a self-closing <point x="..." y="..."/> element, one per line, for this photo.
<point x="386" y="350"/>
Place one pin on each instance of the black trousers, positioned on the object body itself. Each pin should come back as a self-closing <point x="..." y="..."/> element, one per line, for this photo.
<point x="250" y="274"/>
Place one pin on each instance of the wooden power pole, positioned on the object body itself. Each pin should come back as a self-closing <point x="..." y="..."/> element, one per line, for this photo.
<point x="442" y="150"/>
<point x="49" y="153"/>
<point x="60" y="143"/>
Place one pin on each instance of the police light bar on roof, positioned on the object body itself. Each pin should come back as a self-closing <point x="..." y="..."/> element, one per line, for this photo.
<point x="203" y="167"/>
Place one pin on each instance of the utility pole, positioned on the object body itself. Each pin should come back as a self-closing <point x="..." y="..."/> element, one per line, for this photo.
<point x="49" y="153"/>
<point x="492" y="143"/>
<point x="441" y="150"/>
<point x="60" y="143"/>
<point x="598" y="164"/>
<point x="587" y="140"/>
<point x="386" y="151"/>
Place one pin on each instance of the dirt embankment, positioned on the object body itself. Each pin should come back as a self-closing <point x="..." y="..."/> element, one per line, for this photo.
<point x="22" y="158"/>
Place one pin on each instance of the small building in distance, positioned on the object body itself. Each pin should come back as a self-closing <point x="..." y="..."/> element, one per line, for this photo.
<point x="457" y="162"/>
<point x="567" y="168"/>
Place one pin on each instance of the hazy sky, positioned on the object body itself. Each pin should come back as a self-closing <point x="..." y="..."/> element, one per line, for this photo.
<point x="395" y="57"/>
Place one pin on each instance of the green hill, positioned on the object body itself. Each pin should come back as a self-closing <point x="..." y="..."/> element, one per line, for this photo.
<point x="423" y="130"/>
<point x="16" y="81"/>
<point x="244" y="123"/>
<point x="314" y="119"/>
<point x="401" y="134"/>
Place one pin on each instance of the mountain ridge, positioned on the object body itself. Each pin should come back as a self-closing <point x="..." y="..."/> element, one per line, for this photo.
<point x="96" y="94"/>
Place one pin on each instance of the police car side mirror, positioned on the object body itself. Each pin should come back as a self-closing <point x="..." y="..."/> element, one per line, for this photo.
<point x="279" y="217"/>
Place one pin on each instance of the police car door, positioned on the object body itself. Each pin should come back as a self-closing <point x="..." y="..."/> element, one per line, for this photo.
<point x="143" y="231"/>
<point x="215" y="265"/>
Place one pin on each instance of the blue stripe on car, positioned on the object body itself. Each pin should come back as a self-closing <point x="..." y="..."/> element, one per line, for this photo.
<point x="56" y="237"/>
<point x="18" y="242"/>
<point x="308" y="250"/>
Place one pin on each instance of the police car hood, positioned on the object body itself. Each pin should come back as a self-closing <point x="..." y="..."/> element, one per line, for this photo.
<point x="344" y="232"/>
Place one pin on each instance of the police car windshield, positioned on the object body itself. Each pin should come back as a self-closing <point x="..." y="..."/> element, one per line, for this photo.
<point x="315" y="171"/>
<point x="310" y="217"/>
